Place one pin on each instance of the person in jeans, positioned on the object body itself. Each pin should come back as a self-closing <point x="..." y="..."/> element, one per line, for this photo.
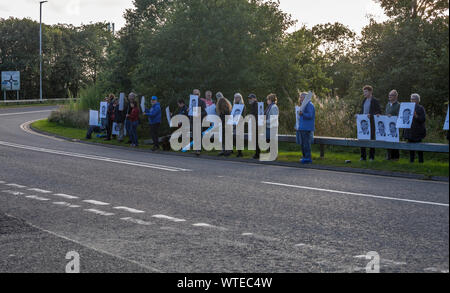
<point x="110" y="115"/>
<point x="370" y="107"/>
<point x="133" y="119"/>
<point x="306" y="128"/>
<point x="418" y="130"/>
<point x="154" y="119"/>
<point x="253" y="101"/>
<point x="392" y="109"/>
<point x="131" y="98"/>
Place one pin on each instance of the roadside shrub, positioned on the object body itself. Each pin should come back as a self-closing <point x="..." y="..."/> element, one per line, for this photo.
<point x="70" y="116"/>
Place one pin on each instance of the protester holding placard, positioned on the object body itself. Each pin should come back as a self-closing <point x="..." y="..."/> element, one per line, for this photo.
<point x="418" y="130"/>
<point x="133" y="119"/>
<point x="223" y="109"/>
<point x="370" y="107"/>
<point x="272" y="110"/>
<point x="306" y="128"/>
<point x="254" y="110"/>
<point x="110" y="115"/>
<point x="238" y="100"/>
<point x="154" y="119"/>
<point x="392" y="110"/>
<point x="131" y="99"/>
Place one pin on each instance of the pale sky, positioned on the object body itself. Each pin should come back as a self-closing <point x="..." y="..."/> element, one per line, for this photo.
<point x="353" y="13"/>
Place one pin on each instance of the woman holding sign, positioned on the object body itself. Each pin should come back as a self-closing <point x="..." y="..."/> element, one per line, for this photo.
<point x="238" y="100"/>
<point x="418" y="130"/>
<point x="133" y="119"/>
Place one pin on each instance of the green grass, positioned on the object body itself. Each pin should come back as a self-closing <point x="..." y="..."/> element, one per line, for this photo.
<point x="435" y="164"/>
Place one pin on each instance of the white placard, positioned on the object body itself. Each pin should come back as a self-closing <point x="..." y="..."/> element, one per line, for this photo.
<point x="211" y="110"/>
<point x="193" y="104"/>
<point x="406" y="115"/>
<point x="297" y="117"/>
<point x="10" y="80"/>
<point x="143" y="104"/>
<point x="446" y="120"/>
<point x="306" y="101"/>
<point x="380" y="128"/>
<point x="392" y="132"/>
<point x="122" y="101"/>
<point x="236" y="113"/>
<point x="169" y="118"/>
<point x="261" y="113"/>
<point x="116" y="129"/>
<point x="363" y="127"/>
<point x="93" y="118"/>
<point x="103" y="110"/>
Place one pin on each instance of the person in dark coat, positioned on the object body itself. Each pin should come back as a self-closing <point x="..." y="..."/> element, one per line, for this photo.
<point x="223" y="109"/>
<point x="418" y="130"/>
<point x="393" y="109"/>
<point x="370" y="107"/>
<point x="253" y="101"/>
<point x="110" y="116"/>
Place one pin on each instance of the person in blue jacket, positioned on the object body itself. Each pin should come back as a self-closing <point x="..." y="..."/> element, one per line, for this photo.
<point x="154" y="119"/>
<point x="305" y="129"/>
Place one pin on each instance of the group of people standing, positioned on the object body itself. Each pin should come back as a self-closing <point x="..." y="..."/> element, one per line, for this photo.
<point x="371" y="107"/>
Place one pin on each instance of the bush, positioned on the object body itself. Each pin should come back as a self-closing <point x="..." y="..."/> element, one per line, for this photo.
<point x="70" y="116"/>
<point x="90" y="97"/>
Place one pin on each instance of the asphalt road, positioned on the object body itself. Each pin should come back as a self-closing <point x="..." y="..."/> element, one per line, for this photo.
<point x="128" y="211"/>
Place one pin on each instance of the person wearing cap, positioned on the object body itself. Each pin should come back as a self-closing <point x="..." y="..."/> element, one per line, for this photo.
<point x="154" y="119"/>
<point x="253" y="102"/>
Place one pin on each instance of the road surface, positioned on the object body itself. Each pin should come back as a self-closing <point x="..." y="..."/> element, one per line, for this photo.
<point x="129" y="211"/>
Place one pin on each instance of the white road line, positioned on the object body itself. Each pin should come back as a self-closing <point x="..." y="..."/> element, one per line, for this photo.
<point x="89" y="247"/>
<point x="205" y="225"/>
<point x="29" y="112"/>
<point x="130" y="210"/>
<point x="99" y="212"/>
<point x="164" y="217"/>
<point x="2" y="182"/>
<point x="97" y="158"/>
<point x="16" y="185"/>
<point x="26" y="127"/>
<point x="39" y="190"/>
<point x="96" y="202"/>
<point x="65" y="204"/>
<point x="37" y="197"/>
<point x="358" y="194"/>
<point x="66" y="196"/>
<point x="136" y="221"/>
<point x="247" y="234"/>
<point x="12" y="192"/>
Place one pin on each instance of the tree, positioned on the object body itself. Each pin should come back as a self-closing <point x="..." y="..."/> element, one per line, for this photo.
<point x="412" y="9"/>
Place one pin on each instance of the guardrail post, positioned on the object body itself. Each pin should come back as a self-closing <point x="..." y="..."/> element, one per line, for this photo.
<point x="322" y="151"/>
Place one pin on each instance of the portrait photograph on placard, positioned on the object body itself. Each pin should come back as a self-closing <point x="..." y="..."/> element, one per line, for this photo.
<point x="392" y="132"/>
<point x="363" y="127"/>
<point x="406" y="115"/>
<point x="103" y="110"/>
<point x="193" y="104"/>
<point x="236" y="113"/>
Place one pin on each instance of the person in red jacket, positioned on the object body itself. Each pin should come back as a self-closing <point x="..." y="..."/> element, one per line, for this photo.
<point x="133" y="117"/>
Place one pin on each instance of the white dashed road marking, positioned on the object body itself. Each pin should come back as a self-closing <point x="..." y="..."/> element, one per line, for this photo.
<point x="164" y="217"/>
<point x="134" y="211"/>
<point x="13" y="192"/>
<point x="65" y="204"/>
<point x="96" y="202"/>
<point x="136" y="221"/>
<point x="16" y="185"/>
<point x="357" y="194"/>
<point x="66" y="196"/>
<point x="98" y="212"/>
<point x="205" y="225"/>
<point x="39" y="190"/>
<point x="37" y="197"/>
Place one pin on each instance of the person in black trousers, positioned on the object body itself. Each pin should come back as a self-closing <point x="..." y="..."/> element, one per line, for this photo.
<point x="370" y="107"/>
<point x="252" y="100"/>
<point x="418" y="130"/>
<point x="112" y="103"/>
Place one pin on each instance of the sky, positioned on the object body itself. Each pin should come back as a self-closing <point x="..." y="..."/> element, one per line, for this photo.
<point x="353" y="13"/>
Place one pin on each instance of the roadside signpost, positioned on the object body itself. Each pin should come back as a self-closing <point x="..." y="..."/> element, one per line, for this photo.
<point x="10" y="81"/>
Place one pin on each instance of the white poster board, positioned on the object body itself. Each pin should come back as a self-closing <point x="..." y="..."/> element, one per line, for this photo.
<point x="297" y="117"/>
<point x="406" y="115"/>
<point x="193" y="104"/>
<point x="116" y="129"/>
<point x="380" y="128"/>
<point x="236" y="113"/>
<point x="121" y="101"/>
<point x="211" y="110"/>
<point x="363" y="127"/>
<point x="306" y="101"/>
<point x="446" y="120"/>
<point x="392" y="132"/>
<point x="169" y="118"/>
<point x="261" y="113"/>
<point x="93" y="118"/>
<point x="143" y="104"/>
<point x="10" y="81"/>
<point x="103" y="110"/>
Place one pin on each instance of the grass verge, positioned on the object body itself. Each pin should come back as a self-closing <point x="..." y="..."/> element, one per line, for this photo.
<point x="435" y="164"/>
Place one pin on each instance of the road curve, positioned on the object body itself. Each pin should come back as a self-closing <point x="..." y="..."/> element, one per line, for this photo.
<point x="128" y="211"/>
